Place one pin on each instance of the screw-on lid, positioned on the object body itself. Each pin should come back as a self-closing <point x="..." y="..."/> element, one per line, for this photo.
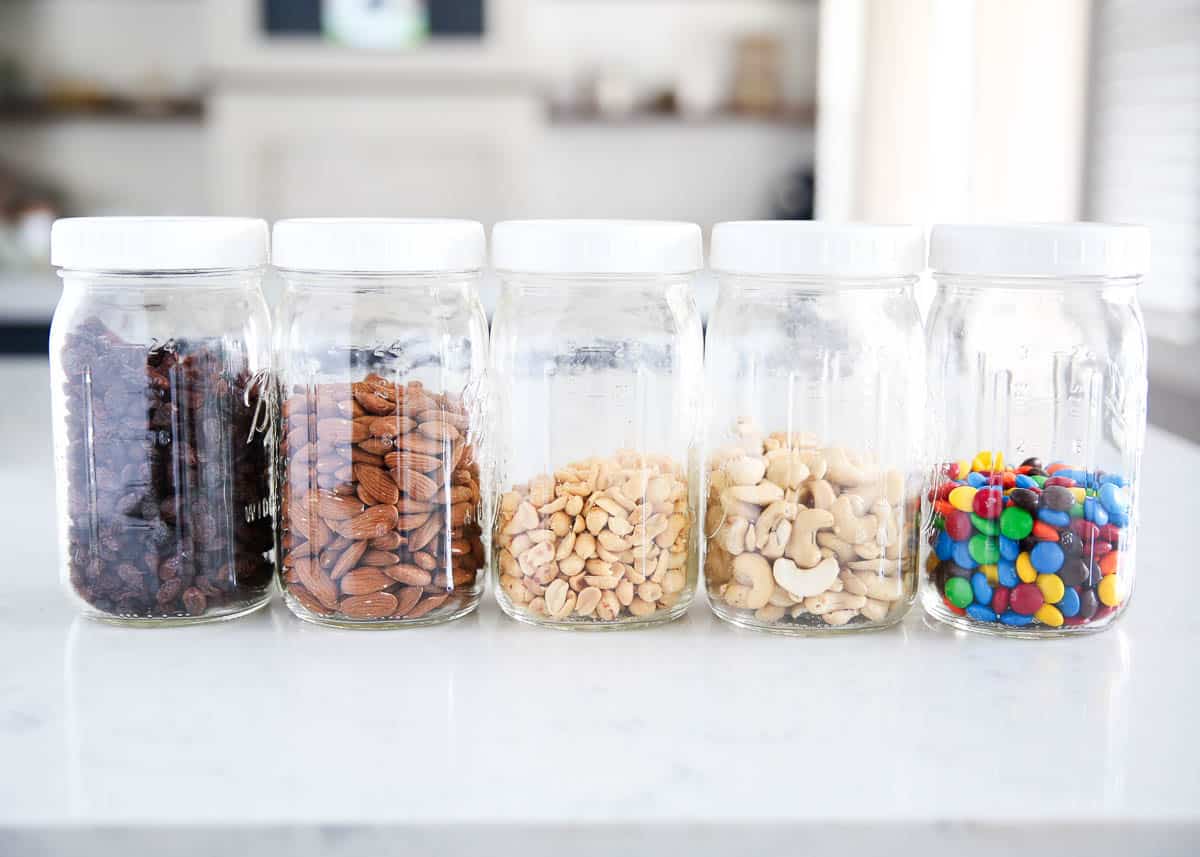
<point x="379" y="245"/>
<point x="1041" y="250"/>
<point x="597" y="246"/>
<point x="817" y="249"/>
<point x="147" y="244"/>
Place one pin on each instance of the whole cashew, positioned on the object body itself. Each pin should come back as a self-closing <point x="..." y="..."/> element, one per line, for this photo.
<point x="843" y="550"/>
<point x="847" y="524"/>
<point x="753" y="582"/>
<point x="786" y="468"/>
<point x="801" y="583"/>
<point x="745" y="470"/>
<point x="822" y="494"/>
<point x="827" y="602"/>
<point x="777" y="540"/>
<point x="842" y="470"/>
<point x="769" y="519"/>
<point x="762" y="494"/>
<point x="801" y="547"/>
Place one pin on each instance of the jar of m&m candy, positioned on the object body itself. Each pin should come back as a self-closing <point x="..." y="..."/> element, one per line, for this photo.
<point x="1037" y="393"/>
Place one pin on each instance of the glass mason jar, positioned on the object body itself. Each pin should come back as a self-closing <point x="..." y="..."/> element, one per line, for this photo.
<point x="1037" y="360"/>
<point x="815" y="396"/>
<point x="597" y="355"/>
<point x="159" y="354"/>
<point x="381" y="347"/>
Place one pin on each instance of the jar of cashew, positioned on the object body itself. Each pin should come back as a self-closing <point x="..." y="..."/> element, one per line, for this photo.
<point x="813" y="435"/>
<point x="381" y="352"/>
<point x="597" y="360"/>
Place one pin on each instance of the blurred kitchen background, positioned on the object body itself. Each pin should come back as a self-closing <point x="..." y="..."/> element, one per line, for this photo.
<point x="704" y="110"/>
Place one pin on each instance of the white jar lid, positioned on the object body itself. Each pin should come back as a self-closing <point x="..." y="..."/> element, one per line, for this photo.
<point x="817" y="249"/>
<point x="379" y="245"/>
<point x="597" y="246"/>
<point x="1041" y="250"/>
<point x="150" y="244"/>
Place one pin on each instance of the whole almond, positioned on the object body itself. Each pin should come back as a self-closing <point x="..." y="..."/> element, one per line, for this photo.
<point x="407" y="599"/>
<point x="377" y="445"/>
<point x="418" y="461"/>
<point x="412" y="506"/>
<point x="371" y="400"/>
<point x="317" y="582"/>
<point x="424" y="534"/>
<point x="425" y="560"/>
<point x="427" y="604"/>
<point x="387" y="542"/>
<point x="415" y="441"/>
<point x="363" y="580"/>
<point x="341" y="430"/>
<point x="440" y="431"/>
<point x="307" y="600"/>
<point x="410" y="522"/>
<point x="444" y="414"/>
<point x="410" y="575"/>
<point x="377" y="482"/>
<point x="392" y="426"/>
<point x="415" y="485"/>
<point x="337" y="508"/>
<point x="376" y="605"/>
<point x="371" y="524"/>
<point x="348" y="559"/>
<point x="379" y="558"/>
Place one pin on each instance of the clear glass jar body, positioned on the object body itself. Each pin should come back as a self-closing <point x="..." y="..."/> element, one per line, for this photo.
<point x="381" y="378"/>
<point x="597" y="391"/>
<point x="161" y="405"/>
<point x="815" y="395"/>
<point x="1037" y="402"/>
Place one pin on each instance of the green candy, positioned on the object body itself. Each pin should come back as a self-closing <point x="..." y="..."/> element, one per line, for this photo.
<point x="939" y="523"/>
<point x="958" y="591"/>
<point x="985" y="526"/>
<point x="985" y="550"/>
<point x="1040" y="480"/>
<point x="1015" y="523"/>
<point x="1076" y="511"/>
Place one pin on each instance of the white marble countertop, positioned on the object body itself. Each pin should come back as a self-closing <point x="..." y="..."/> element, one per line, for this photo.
<point x="484" y="734"/>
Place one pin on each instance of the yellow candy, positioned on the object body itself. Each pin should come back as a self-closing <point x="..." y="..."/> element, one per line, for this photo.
<point x="964" y="468"/>
<point x="962" y="497"/>
<point x="1025" y="569"/>
<point x="1050" y="615"/>
<point x="1107" y="590"/>
<point x="1052" y="587"/>
<point x="992" y="573"/>
<point x="985" y="463"/>
<point x="931" y="563"/>
<point x="1079" y="493"/>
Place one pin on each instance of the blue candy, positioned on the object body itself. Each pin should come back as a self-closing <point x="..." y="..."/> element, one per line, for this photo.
<point x="1094" y="512"/>
<point x="1114" y="499"/>
<point x="976" y="480"/>
<point x="1114" y="478"/>
<point x="1047" y="557"/>
<point x="1015" y="619"/>
<point x="1055" y="518"/>
<point x="981" y="588"/>
<point x="981" y="613"/>
<point x="962" y="556"/>
<point x="1006" y="572"/>
<point x="1009" y="549"/>
<point x="1069" y="605"/>
<point x="944" y="546"/>
<point x="1119" y="519"/>
<point x="1024" y="481"/>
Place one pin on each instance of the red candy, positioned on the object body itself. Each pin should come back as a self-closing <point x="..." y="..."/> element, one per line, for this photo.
<point x="1061" y="480"/>
<point x="1111" y="534"/>
<point x="1026" y="598"/>
<point x="957" y="611"/>
<point x="943" y="508"/>
<point x="1054" y="468"/>
<point x="1102" y="613"/>
<point x="1008" y="479"/>
<point x="1086" y="530"/>
<point x="959" y="526"/>
<point x="1099" y="549"/>
<point x="1000" y="599"/>
<point x="1044" y="532"/>
<point x="1075" y="620"/>
<point x="988" y="504"/>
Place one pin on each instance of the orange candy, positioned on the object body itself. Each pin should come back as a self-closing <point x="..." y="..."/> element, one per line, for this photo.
<point x="1108" y="563"/>
<point x="1044" y="532"/>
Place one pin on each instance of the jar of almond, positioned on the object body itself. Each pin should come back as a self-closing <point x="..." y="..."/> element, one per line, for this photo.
<point x="597" y="362"/>
<point x="381" y="349"/>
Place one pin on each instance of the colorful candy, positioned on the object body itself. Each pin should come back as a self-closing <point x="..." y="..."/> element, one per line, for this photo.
<point x="1029" y="546"/>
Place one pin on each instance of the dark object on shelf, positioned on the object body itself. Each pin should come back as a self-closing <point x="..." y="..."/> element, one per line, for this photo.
<point x="303" y="17"/>
<point x="24" y="339"/>
<point x="796" y="197"/>
<point x="102" y="106"/>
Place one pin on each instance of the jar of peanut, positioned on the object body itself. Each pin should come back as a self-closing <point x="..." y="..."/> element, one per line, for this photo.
<point x="381" y="351"/>
<point x="597" y="361"/>
<point x="815" y="398"/>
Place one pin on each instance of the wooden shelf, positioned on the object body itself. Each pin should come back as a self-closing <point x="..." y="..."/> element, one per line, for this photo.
<point x="172" y="108"/>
